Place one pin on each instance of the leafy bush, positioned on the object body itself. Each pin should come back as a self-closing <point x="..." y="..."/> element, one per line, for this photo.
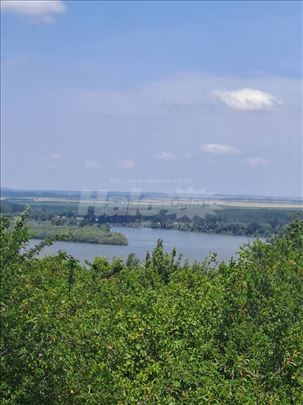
<point x="158" y="332"/>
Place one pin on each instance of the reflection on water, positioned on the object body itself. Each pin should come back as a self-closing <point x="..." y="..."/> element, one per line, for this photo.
<point x="193" y="245"/>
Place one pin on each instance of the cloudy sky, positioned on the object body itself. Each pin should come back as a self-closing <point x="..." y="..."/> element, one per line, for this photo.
<point x="159" y="96"/>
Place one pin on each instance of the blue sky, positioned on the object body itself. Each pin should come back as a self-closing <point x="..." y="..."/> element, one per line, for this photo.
<point x="158" y="96"/>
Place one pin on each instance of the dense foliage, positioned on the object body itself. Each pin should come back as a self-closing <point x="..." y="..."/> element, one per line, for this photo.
<point x="261" y="222"/>
<point x="60" y="230"/>
<point x="158" y="332"/>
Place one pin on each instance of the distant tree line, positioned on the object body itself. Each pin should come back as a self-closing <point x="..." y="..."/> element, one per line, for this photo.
<point x="262" y="222"/>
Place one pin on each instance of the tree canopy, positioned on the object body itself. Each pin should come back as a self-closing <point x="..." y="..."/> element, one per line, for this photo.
<point x="162" y="331"/>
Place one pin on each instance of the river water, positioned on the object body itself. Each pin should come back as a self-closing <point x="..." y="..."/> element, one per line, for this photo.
<point x="193" y="245"/>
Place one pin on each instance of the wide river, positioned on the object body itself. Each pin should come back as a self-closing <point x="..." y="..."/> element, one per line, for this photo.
<point x="193" y="245"/>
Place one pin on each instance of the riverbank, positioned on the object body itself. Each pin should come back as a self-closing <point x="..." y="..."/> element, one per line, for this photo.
<point x="96" y="234"/>
<point x="195" y="246"/>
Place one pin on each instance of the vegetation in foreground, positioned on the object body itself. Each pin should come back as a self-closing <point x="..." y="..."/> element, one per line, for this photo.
<point x="157" y="332"/>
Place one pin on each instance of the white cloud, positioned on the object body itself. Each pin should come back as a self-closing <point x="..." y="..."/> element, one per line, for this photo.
<point x="257" y="162"/>
<point x="219" y="149"/>
<point x="247" y="99"/>
<point x="192" y="191"/>
<point x="41" y="9"/>
<point x="172" y="156"/>
<point x="52" y="160"/>
<point x="54" y="156"/>
<point x="165" y="156"/>
<point x="91" y="165"/>
<point x="151" y="100"/>
<point x="126" y="164"/>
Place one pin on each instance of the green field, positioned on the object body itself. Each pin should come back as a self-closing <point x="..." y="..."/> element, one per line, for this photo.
<point x="237" y="217"/>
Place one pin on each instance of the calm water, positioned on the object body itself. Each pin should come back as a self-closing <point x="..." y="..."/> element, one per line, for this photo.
<point x="193" y="245"/>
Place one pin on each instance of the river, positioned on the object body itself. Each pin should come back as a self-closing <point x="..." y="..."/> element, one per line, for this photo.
<point x="193" y="245"/>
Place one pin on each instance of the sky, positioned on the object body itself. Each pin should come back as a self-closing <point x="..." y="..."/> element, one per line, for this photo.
<point x="188" y="97"/>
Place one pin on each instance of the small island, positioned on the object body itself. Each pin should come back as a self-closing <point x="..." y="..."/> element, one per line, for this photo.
<point x="100" y="234"/>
